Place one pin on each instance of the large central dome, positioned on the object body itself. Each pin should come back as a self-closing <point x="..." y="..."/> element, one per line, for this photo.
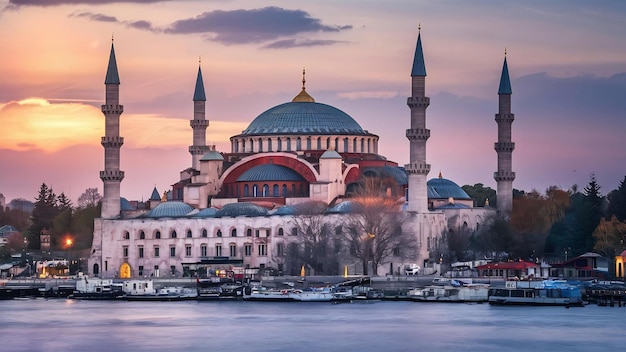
<point x="303" y="118"/>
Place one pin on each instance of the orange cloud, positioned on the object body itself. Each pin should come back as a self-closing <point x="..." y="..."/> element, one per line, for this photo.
<point x="37" y="123"/>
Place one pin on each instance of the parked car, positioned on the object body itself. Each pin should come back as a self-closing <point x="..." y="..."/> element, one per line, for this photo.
<point x="411" y="269"/>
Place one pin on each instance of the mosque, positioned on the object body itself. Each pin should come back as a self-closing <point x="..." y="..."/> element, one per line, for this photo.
<point x="237" y="208"/>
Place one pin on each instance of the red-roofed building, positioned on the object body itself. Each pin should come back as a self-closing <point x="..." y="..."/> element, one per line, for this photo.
<point x="586" y="266"/>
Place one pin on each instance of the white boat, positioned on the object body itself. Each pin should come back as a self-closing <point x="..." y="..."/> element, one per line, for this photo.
<point x="447" y="293"/>
<point x="143" y="290"/>
<point x="96" y="289"/>
<point x="536" y="293"/>
<point x="261" y="293"/>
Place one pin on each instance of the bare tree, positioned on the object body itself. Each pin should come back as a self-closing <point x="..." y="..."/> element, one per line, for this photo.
<point x="89" y="198"/>
<point x="316" y="238"/>
<point x="374" y="229"/>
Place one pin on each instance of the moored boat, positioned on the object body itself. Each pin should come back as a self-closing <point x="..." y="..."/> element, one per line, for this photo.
<point x="435" y="293"/>
<point x="537" y="293"/>
<point x="96" y="289"/>
<point x="143" y="290"/>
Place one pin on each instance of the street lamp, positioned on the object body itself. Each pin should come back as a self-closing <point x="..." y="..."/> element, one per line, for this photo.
<point x="68" y="245"/>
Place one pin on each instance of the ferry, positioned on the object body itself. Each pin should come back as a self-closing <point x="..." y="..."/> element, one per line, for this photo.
<point x="537" y="293"/>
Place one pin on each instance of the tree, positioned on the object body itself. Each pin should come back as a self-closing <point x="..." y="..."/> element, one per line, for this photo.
<point x="617" y="202"/>
<point x="89" y="198"/>
<point x="610" y="237"/>
<point x="589" y="215"/>
<point x="316" y="238"/>
<point x="494" y="239"/>
<point x="481" y="194"/>
<point x="43" y="214"/>
<point x="374" y="229"/>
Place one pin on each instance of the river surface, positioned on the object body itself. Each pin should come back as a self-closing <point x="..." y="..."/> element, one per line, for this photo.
<point x="71" y="325"/>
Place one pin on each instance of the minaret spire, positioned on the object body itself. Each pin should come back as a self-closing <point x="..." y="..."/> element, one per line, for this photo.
<point x="418" y="134"/>
<point x="504" y="146"/>
<point x="199" y="123"/>
<point x="112" y="176"/>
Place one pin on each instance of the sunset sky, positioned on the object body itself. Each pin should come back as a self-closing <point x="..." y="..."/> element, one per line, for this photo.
<point x="566" y="58"/>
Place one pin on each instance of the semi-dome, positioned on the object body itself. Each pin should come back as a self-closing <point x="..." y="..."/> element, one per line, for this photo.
<point x="298" y="117"/>
<point x="171" y="209"/>
<point x="442" y="188"/>
<point x="270" y="172"/>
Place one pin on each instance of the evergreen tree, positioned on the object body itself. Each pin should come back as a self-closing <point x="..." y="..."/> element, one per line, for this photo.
<point x="43" y="214"/>
<point x="479" y="193"/>
<point x="588" y="218"/>
<point x="617" y="202"/>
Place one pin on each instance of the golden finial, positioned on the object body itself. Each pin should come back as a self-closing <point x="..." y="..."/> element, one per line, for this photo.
<point x="440" y="176"/>
<point x="505" y="51"/>
<point x="419" y="27"/>
<point x="303" y="96"/>
<point x="303" y="79"/>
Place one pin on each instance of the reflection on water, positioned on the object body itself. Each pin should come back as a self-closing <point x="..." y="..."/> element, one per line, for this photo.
<point x="65" y="325"/>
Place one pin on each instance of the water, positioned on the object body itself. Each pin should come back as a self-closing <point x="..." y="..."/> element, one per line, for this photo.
<point x="67" y="325"/>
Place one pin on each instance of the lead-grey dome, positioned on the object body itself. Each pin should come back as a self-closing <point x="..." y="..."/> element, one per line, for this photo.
<point x="171" y="209"/>
<point x="303" y="118"/>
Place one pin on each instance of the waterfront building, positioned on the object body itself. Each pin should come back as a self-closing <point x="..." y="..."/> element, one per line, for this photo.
<point x="237" y="207"/>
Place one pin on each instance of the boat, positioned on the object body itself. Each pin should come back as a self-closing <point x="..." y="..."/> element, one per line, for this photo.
<point x="315" y="294"/>
<point x="96" y="289"/>
<point x="537" y="293"/>
<point x="143" y="290"/>
<point x="218" y="289"/>
<point x="449" y="293"/>
<point x="267" y="294"/>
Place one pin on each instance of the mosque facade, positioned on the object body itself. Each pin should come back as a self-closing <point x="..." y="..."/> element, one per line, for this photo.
<point x="237" y="208"/>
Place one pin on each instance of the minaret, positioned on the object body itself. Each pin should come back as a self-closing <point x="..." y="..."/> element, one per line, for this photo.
<point x="112" y="142"/>
<point x="504" y="147"/>
<point x="418" y="134"/>
<point x="199" y="123"/>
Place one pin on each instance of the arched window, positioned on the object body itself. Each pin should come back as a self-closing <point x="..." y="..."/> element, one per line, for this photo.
<point x="260" y="145"/>
<point x="219" y="233"/>
<point x="298" y="144"/>
<point x="345" y="145"/>
<point x="189" y="235"/>
<point x="236" y="147"/>
<point x="255" y="190"/>
<point x="269" y="145"/>
<point x="337" y="144"/>
<point x="308" y="143"/>
<point x="243" y="146"/>
<point x="204" y="233"/>
<point x="288" y="144"/>
<point x="284" y="190"/>
<point x="281" y="232"/>
<point x="362" y="145"/>
<point x="246" y="191"/>
<point x="126" y="235"/>
<point x="279" y="145"/>
<point x="266" y="191"/>
<point x="173" y="234"/>
<point x="233" y="233"/>
<point x="157" y="235"/>
<point x="354" y="145"/>
<point x="275" y="191"/>
<point x="249" y="232"/>
<point x="142" y="235"/>
<point x="319" y="143"/>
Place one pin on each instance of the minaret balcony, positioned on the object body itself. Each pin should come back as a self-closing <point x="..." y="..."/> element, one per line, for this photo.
<point x="505" y="118"/>
<point x="418" y="102"/>
<point x="417" y="134"/>
<point x="199" y="149"/>
<point x="112" y="109"/>
<point x="417" y="168"/>
<point x="504" y="146"/>
<point x="198" y="124"/>
<point x="112" y="142"/>
<point x="504" y="175"/>
<point x="112" y="175"/>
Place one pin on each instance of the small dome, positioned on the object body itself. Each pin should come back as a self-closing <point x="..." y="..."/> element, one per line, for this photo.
<point x="171" y="209"/>
<point x="344" y="207"/>
<point x="212" y="155"/>
<point x="441" y="188"/>
<point x="284" y="210"/>
<point x="206" y="213"/>
<point x="270" y="172"/>
<point x="234" y="210"/>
